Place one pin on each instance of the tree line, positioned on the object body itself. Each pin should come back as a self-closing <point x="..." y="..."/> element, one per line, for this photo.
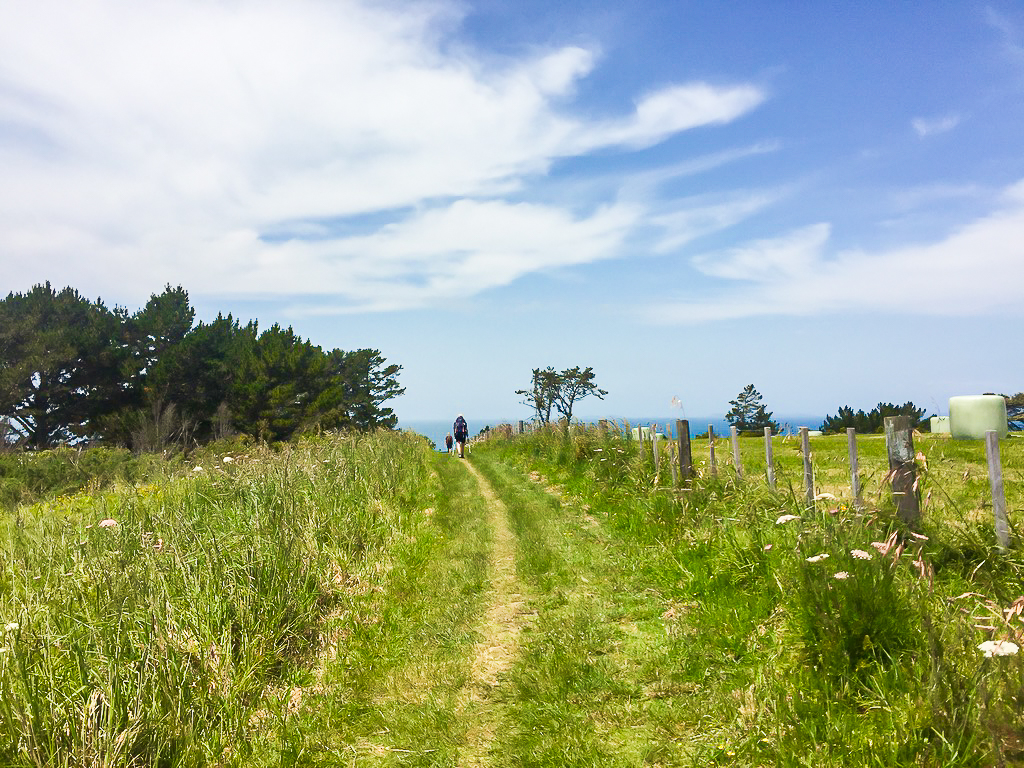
<point x="73" y="370"/>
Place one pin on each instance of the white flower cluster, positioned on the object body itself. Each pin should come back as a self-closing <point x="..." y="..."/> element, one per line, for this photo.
<point x="998" y="648"/>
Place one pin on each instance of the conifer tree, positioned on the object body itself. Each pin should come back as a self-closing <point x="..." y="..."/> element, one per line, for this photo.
<point x="748" y="413"/>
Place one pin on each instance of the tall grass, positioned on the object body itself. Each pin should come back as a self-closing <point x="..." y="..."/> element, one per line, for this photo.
<point x="144" y="625"/>
<point x="777" y="632"/>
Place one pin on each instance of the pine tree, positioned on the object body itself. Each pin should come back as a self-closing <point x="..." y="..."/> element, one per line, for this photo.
<point x="60" y="365"/>
<point x="748" y="413"/>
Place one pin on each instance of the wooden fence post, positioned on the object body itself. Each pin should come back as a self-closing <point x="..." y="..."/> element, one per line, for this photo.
<point x="805" y="448"/>
<point x="672" y="464"/>
<point x="734" y="435"/>
<point x="685" y="455"/>
<point x="711" y="445"/>
<point x="522" y="428"/>
<point x="995" y="479"/>
<point x="899" y="442"/>
<point x="602" y="426"/>
<point x="654" y="448"/>
<point x="851" y="439"/>
<point x="769" y="462"/>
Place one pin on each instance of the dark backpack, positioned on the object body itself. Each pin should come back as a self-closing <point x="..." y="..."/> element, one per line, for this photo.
<point x="461" y="428"/>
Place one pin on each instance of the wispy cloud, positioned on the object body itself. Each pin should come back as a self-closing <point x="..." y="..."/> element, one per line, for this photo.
<point x="1010" y="31"/>
<point x="692" y="218"/>
<point x="175" y="142"/>
<point x="670" y="110"/>
<point x="443" y="253"/>
<point x="975" y="270"/>
<point x="925" y="127"/>
<point x="641" y="183"/>
<point x="768" y="261"/>
<point x="929" y="194"/>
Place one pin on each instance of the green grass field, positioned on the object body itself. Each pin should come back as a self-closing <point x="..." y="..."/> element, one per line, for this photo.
<point x="362" y="600"/>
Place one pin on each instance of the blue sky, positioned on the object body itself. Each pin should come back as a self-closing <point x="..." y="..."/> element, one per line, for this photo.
<point x="824" y="200"/>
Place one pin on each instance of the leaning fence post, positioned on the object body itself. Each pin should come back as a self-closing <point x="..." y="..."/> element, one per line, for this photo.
<point x="899" y="441"/>
<point x="711" y="445"/>
<point x="995" y="479"/>
<point x="734" y="435"/>
<point x="805" y="448"/>
<point x="851" y="439"/>
<point x="685" y="455"/>
<point x="768" y="456"/>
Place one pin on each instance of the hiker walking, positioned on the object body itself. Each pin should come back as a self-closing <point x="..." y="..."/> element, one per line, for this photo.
<point x="448" y="442"/>
<point x="461" y="430"/>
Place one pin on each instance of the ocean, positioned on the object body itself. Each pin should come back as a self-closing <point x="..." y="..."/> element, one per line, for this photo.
<point x="435" y="430"/>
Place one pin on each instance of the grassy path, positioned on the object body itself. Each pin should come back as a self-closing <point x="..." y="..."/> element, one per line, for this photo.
<point x="586" y="688"/>
<point x="499" y="630"/>
<point x="412" y="669"/>
<point x="394" y="674"/>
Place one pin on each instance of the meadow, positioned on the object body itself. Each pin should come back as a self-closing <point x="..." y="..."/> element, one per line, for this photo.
<point x="325" y="602"/>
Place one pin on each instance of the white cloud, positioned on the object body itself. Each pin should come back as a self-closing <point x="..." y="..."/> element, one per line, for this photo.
<point x="695" y="217"/>
<point x="975" y="270"/>
<point x="443" y="253"/>
<point x="931" y="126"/>
<point x="158" y="141"/>
<point x="673" y="109"/>
<point x="768" y="261"/>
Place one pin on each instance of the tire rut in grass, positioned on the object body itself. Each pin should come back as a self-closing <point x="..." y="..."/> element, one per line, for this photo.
<point x="500" y="628"/>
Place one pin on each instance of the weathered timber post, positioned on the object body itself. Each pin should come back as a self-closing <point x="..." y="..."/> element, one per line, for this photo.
<point x="805" y="448"/>
<point x="672" y="464"/>
<point x="995" y="479"/>
<point x="602" y="426"/>
<point x="768" y="456"/>
<point x="899" y="441"/>
<point x="851" y="439"/>
<point x="734" y="435"/>
<point x="685" y="455"/>
<point x="654" y="448"/>
<point x="711" y="445"/>
<point x="522" y="427"/>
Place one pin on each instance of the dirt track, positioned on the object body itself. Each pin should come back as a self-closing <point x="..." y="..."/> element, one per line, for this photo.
<point x="499" y="629"/>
